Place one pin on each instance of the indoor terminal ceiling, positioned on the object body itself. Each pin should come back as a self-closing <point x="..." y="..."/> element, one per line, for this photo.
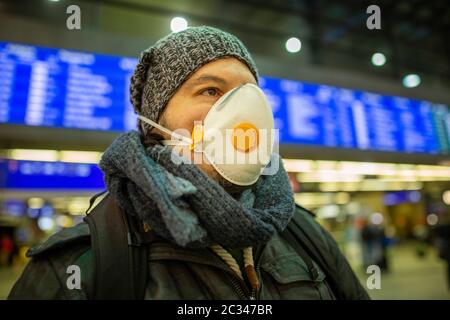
<point x="413" y="33"/>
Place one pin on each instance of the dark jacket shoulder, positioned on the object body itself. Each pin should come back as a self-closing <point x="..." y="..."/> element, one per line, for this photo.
<point x="64" y="238"/>
<point x="329" y="249"/>
<point x="47" y="272"/>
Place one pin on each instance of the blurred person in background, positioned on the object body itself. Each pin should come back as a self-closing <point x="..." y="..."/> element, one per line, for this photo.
<point x="421" y="234"/>
<point x="442" y="239"/>
<point x="6" y="250"/>
<point x="374" y="242"/>
<point x="194" y="231"/>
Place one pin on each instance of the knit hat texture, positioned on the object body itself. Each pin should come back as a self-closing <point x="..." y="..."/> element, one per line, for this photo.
<point x="166" y="65"/>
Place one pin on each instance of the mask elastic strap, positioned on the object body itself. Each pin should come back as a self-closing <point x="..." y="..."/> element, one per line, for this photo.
<point x="165" y="130"/>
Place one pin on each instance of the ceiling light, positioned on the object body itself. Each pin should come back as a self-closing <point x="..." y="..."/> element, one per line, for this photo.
<point x="378" y="59"/>
<point x="293" y="45"/>
<point x="178" y="24"/>
<point x="411" y="80"/>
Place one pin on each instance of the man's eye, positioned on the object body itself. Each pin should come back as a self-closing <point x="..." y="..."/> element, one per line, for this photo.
<point x="210" y="92"/>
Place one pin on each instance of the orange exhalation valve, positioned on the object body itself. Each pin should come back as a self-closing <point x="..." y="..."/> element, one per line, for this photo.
<point x="245" y="137"/>
<point x="197" y="135"/>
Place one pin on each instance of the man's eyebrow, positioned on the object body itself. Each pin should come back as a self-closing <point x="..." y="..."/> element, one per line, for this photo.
<point x="207" y="78"/>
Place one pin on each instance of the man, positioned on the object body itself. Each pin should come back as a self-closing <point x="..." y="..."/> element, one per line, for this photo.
<point x="442" y="240"/>
<point x="209" y="229"/>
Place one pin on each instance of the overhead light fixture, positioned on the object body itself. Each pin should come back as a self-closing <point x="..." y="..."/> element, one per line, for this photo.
<point x="324" y="176"/>
<point x="33" y="155"/>
<point x="178" y="24"/>
<point x="370" y="185"/>
<point x="411" y="80"/>
<point x="80" y="156"/>
<point x="54" y="155"/>
<point x="378" y="59"/>
<point x="313" y="199"/>
<point x="331" y="171"/>
<point x="293" y="45"/>
<point x="298" y="165"/>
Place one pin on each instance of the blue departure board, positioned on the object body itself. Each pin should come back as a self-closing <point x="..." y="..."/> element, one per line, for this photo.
<point x="23" y="174"/>
<point x="64" y="88"/>
<point x="336" y="117"/>
<point x="70" y="89"/>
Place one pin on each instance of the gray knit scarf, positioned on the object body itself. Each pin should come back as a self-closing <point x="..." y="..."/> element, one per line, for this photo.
<point x="182" y="204"/>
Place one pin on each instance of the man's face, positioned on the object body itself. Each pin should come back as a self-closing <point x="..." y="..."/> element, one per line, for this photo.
<point x="195" y="97"/>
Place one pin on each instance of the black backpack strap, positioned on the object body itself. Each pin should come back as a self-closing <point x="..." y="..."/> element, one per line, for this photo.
<point x="120" y="270"/>
<point x="308" y="242"/>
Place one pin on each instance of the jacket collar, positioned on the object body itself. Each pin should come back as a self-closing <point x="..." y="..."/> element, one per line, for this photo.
<point x="164" y="250"/>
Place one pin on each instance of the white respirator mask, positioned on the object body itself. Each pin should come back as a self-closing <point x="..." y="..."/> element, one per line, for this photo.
<point x="236" y="136"/>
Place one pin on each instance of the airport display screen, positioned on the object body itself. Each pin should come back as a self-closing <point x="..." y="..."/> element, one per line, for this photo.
<point x="43" y="175"/>
<point x="70" y="89"/>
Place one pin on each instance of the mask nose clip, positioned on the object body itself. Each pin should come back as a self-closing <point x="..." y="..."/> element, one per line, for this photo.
<point x="228" y="97"/>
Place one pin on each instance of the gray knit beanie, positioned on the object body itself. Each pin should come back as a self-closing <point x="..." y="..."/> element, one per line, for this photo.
<point x="164" y="67"/>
